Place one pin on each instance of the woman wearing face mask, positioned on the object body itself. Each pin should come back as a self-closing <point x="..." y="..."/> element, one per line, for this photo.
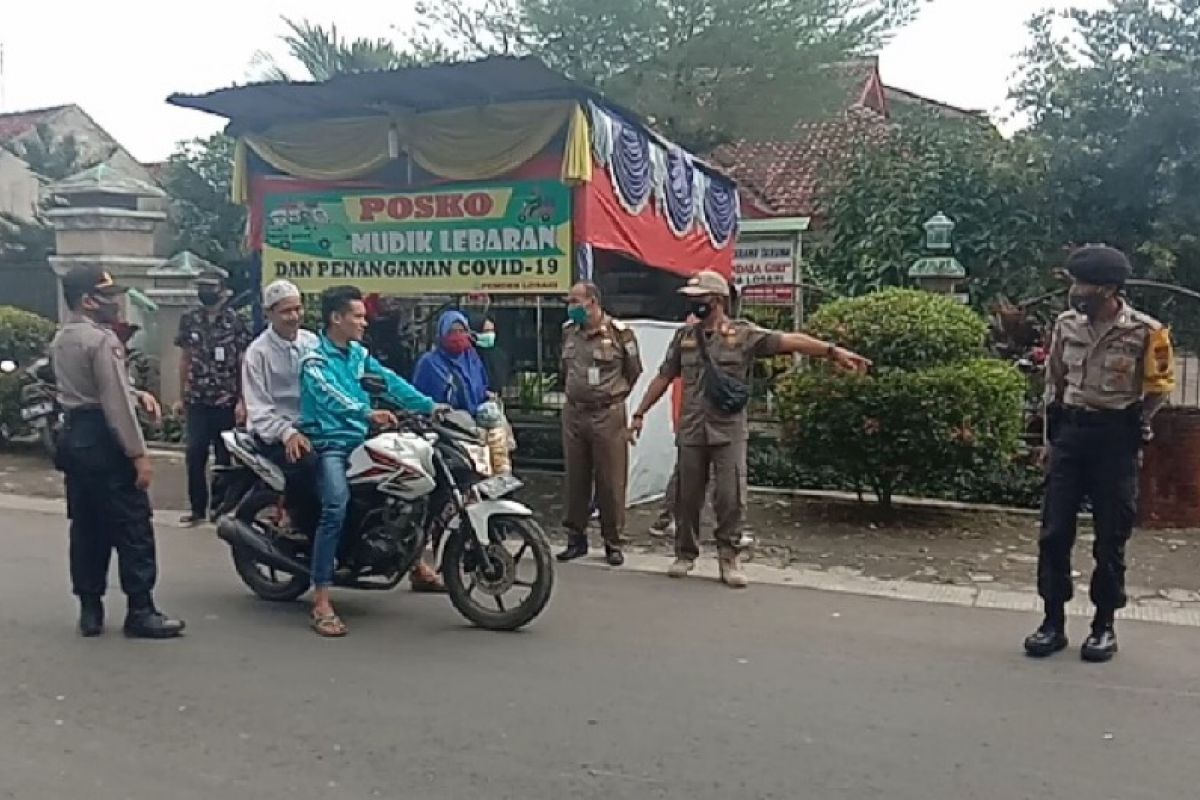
<point x="453" y="373"/>
<point x="495" y="358"/>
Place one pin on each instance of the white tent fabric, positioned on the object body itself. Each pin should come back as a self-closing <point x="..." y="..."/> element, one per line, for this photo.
<point x="653" y="458"/>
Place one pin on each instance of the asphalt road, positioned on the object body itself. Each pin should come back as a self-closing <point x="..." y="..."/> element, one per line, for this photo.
<point x="630" y="686"/>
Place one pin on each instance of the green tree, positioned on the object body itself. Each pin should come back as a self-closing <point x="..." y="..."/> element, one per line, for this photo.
<point x="199" y="179"/>
<point x="1114" y="97"/>
<point x="708" y="70"/>
<point x="997" y="191"/>
<point x="324" y="53"/>
<point x="52" y="158"/>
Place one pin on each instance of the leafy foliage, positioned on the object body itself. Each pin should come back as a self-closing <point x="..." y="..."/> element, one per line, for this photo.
<point x="903" y="329"/>
<point x="199" y="179"/>
<point x="1113" y="96"/>
<point x="324" y="53"/>
<point x="23" y="338"/>
<point x="703" y="67"/>
<point x="53" y="158"/>
<point x="934" y="407"/>
<point x="998" y="192"/>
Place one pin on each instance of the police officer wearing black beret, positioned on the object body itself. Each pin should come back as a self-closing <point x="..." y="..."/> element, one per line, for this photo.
<point x="104" y="459"/>
<point x="1110" y="369"/>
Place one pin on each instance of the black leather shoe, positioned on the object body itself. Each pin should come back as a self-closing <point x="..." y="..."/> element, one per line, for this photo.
<point x="91" y="616"/>
<point x="151" y="623"/>
<point x="577" y="547"/>
<point x="1045" y="641"/>
<point x="613" y="556"/>
<point x="1100" y="646"/>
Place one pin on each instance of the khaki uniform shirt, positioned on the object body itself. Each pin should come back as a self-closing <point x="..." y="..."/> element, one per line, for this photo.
<point x="600" y="366"/>
<point x="733" y="349"/>
<point x="89" y="369"/>
<point x="1108" y="366"/>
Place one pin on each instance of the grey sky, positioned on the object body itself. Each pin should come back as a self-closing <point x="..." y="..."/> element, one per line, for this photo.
<point x="120" y="59"/>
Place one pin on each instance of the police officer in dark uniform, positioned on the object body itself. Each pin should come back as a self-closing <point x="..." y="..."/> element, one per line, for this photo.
<point x="104" y="459"/>
<point x="1110" y="369"/>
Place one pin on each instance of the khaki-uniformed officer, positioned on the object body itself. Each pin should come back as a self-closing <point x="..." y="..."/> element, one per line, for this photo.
<point x="600" y="365"/>
<point x="103" y="456"/>
<point x="1110" y="369"/>
<point x="712" y="440"/>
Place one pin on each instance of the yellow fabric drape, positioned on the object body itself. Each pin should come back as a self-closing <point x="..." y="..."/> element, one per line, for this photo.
<point x="241" y="174"/>
<point x="326" y="149"/>
<point x="577" y="157"/>
<point x="470" y="144"/>
<point x="466" y="144"/>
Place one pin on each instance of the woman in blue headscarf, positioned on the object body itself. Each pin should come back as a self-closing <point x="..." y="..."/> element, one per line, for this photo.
<point x="452" y="373"/>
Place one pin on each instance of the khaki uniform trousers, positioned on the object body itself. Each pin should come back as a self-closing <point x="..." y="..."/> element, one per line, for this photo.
<point x="727" y="465"/>
<point x="596" y="451"/>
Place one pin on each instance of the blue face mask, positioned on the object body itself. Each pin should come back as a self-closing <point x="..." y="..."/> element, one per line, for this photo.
<point x="577" y="314"/>
<point x="486" y="340"/>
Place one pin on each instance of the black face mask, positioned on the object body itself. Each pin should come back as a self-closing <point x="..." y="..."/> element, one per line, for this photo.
<point x="701" y="310"/>
<point x="209" y="297"/>
<point x="1086" y="302"/>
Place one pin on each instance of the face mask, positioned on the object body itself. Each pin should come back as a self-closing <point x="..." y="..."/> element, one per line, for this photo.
<point x="701" y="310"/>
<point x="209" y="297"/>
<point x="1086" y="302"/>
<point x="107" y="312"/>
<point x="486" y="340"/>
<point x="577" y="314"/>
<point x="457" y="343"/>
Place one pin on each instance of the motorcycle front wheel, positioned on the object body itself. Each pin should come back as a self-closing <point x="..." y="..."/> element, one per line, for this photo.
<point x="505" y="584"/>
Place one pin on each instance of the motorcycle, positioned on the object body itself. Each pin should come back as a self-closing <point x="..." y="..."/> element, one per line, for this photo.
<point x="429" y="482"/>
<point x="39" y="404"/>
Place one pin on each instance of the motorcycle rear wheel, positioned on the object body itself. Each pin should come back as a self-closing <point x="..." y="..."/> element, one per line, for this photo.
<point x="258" y="512"/>
<point x="488" y="610"/>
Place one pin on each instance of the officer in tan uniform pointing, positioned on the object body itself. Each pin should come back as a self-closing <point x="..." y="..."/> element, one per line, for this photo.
<point x="711" y="438"/>
<point x="600" y="365"/>
<point x="1110" y="369"/>
<point x="104" y="459"/>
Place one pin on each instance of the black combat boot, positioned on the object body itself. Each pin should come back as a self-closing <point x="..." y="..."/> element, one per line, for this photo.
<point x="577" y="547"/>
<point x="1051" y="636"/>
<point x="91" y="616"/>
<point x="1101" y="644"/>
<point x="144" y="621"/>
<point x="613" y="556"/>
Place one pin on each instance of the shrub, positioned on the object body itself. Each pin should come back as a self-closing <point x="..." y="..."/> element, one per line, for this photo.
<point x="932" y="411"/>
<point x="903" y="329"/>
<point x="23" y="338"/>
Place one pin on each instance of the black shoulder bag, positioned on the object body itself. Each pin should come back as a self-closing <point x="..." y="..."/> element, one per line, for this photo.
<point x="723" y="392"/>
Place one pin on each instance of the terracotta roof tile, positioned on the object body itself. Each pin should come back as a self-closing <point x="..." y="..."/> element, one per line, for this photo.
<point x="18" y="123"/>
<point x="784" y="177"/>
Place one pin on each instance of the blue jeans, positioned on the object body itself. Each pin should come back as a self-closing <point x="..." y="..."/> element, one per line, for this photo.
<point x="335" y="498"/>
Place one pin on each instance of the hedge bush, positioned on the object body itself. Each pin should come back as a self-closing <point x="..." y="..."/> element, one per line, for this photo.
<point x="24" y="338"/>
<point x="933" y="411"/>
<point x="903" y="329"/>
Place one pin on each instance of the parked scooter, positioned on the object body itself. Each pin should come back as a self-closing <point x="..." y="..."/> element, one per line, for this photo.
<point x="39" y="404"/>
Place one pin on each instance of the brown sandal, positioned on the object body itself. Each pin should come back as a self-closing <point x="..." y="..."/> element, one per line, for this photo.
<point x="328" y="625"/>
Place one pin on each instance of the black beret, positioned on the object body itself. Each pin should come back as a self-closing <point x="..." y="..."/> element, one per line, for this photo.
<point x="1099" y="265"/>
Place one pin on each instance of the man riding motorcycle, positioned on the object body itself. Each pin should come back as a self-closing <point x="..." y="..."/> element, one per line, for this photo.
<point x="336" y="415"/>
<point x="271" y="390"/>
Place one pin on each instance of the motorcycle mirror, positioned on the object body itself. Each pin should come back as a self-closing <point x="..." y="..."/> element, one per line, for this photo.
<point x="8" y="366"/>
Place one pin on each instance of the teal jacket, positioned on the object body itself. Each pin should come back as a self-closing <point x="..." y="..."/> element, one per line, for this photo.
<point x="334" y="408"/>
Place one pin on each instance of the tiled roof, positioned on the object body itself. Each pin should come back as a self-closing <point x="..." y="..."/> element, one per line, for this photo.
<point x="18" y="123"/>
<point x="783" y="178"/>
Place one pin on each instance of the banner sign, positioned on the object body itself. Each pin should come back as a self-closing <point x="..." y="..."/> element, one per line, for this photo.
<point x="764" y="271"/>
<point x="512" y="238"/>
